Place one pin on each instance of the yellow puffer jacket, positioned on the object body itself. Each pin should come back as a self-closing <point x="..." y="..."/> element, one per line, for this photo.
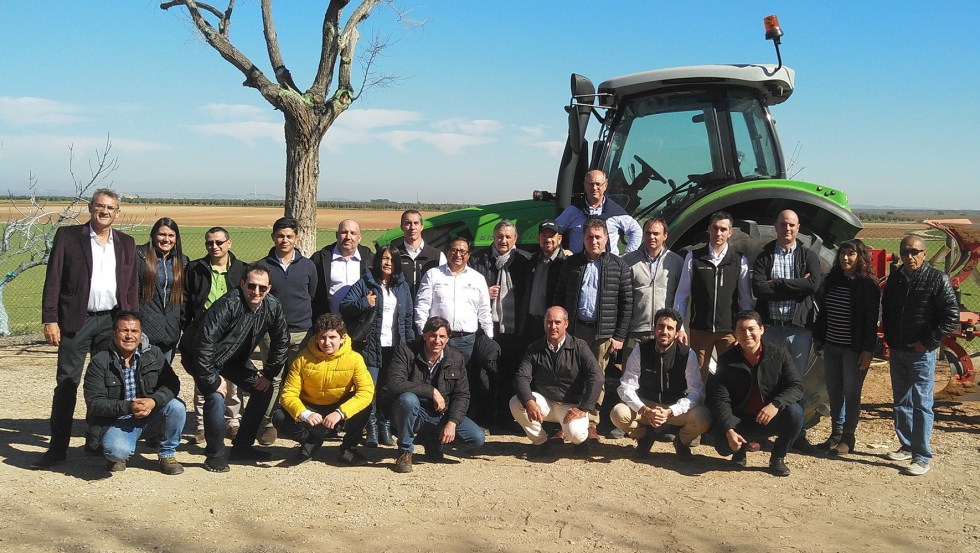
<point x="316" y="378"/>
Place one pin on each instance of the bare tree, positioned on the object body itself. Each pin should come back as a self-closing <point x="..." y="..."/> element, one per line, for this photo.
<point x="308" y="114"/>
<point x="29" y="234"/>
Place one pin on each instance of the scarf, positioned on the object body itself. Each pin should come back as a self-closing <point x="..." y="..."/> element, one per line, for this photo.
<point x="503" y="308"/>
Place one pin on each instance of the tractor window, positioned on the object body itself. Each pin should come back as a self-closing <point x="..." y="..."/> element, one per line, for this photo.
<point x="756" y="154"/>
<point x="658" y="145"/>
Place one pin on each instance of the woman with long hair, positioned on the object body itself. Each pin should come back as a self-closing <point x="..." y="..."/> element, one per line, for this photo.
<point x="383" y="291"/>
<point x="847" y="332"/>
<point x="161" y="285"/>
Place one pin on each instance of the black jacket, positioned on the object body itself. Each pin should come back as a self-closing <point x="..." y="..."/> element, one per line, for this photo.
<point x="484" y="263"/>
<point x="322" y="259"/>
<point x="226" y="331"/>
<point x="921" y="310"/>
<point x="161" y="322"/>
<point x="799" y="289"/>
<point x="199" y="284"/>
<point x="407" y="373"/>
<point x="413" y="269"/>
<point x="104" y="388"/>
<point x="553" y="269"/>
<point x="614" y="305"/>
<point x="570" y="376"/>
<point x="865" y="300"/>
<point x="728" y="389"/>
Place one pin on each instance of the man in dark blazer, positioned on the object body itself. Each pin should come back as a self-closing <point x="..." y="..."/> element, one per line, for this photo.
<point x="338" y="267"/>
<point x="91" y="274"/>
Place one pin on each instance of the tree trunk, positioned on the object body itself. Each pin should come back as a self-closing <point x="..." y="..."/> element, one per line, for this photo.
<point x="302" y="178"/>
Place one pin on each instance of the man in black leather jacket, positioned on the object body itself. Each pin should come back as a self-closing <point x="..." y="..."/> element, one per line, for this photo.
<point x="232" y="328"/>
<point x="918" y="310"/>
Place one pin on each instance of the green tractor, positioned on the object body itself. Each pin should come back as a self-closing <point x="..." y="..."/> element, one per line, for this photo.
<point x="681" y="144"/>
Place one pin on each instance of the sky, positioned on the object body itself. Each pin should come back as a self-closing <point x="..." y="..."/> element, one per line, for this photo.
<point x="884" y="107"/>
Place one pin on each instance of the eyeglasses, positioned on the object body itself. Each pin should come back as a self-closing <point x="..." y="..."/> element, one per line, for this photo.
<point x="912" y="252"/>
<point x="461" y="253"/>
<point x="253" y="286"/>
<point x="104" y="207"/>
<point x="213" y="243"/>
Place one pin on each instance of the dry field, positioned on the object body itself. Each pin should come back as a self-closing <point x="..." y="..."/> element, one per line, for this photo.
<point x="486" y="501"/>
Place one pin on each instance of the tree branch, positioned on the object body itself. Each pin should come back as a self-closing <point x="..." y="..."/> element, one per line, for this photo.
<point x="272" y="44"/>
<point x="328" y="49"/>
<point x="253" y="75"/>
<point x="371" y="53"/>
<point x="348" y="41"/>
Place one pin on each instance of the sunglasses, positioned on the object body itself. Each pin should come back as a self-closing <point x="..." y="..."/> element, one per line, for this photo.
<point x="213" y="243"/>
<point x="260" y="287"/>
<point x="910" y="252"/>
<point x="458" y="252"/>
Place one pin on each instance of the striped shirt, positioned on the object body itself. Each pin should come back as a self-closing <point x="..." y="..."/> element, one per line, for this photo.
<point x="838" y="307"/>
<point x="782" y="267"/>
<point x="129" y="381"/>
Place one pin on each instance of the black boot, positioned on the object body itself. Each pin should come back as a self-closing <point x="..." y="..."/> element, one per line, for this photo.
<point x="643" y="445"/>
<point x="371" y="431"/>
<point x="384" y="433"/>
<point x="833" y="440"/>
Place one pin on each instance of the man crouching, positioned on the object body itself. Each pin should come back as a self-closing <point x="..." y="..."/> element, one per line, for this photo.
<point x="428" y="395"/>
<point x="131" y="389"/>
<point x="558" y="381"/>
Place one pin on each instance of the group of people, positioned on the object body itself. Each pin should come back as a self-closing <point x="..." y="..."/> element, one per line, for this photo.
<point x="411" y="345"/>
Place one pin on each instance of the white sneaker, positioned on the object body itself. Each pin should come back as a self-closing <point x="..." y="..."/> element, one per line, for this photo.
<point x="900" y="455"/>
<point x="917" y="468"/>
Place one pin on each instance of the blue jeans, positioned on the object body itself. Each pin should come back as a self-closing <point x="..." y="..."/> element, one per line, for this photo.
<point x="786" y="426"/>
<point x="844" y="383"/>
<point x="410" y="419"/>
<point x="799" y="342"/>
<point x="464" y="345"/>
<point x="119" y="440"/>
<point x="913" y="381"/>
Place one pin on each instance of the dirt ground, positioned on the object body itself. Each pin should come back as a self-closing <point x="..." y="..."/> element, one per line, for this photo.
<point x="255" y="217"/>
<point x="486" y="501"/>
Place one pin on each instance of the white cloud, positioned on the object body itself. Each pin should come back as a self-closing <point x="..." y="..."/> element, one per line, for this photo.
<point x="449" y="143"/>
<point x="534" y="131"/>
<point x="554" y="147"/>
<point x="238" y="112"/>
<point x="357" y="126"/>
<point x="33" y="111"/>
<point x="48" y="144"/>
<point x="246" y="131"/>
<point x="464" y="126"/>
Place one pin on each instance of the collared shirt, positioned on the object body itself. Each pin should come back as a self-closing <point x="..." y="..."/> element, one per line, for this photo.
<point x="590" y="291"/>
<point x="573" y="218"/>
<point x="285" y="265"/>
<point x="557" y="348"/>
<point x="389" y="304"/>
<point x="652" y="262"/>
<point x="102" y="292"/>
<point x="462" y="299"/>
<point x="344" y="272"/>
<point x="782" y="267"/>
<point x="129" y="380"/>
<point x="219" y="284"/>
<point x="683" y="292"/>
<point x="433" y="367"/>
<point x="539" y="286"/>
<point x="414" y="252"/>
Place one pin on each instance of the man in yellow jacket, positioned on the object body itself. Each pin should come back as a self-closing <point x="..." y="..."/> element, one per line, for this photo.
<point x="328" y="388"/>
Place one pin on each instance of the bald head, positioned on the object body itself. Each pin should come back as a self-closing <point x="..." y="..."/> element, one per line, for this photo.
<point x="913" y="253"/>
<point x="787" y="227"/>
<point x="348" y="237"/>
<point x="595" y="187"/>
<point x="555" y="325"/>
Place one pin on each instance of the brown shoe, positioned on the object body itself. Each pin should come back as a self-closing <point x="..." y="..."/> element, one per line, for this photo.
<point x="269" y="436"/>
<point x="197" y="438"/>
<point x="170" y="466"/>
<point x="404" y="462"/>
<point x="115" y="466"/>
<point x="593" y="436"/>
<point x="559" y="436"/>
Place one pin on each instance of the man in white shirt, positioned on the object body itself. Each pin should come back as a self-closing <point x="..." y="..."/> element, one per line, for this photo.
<point x="715" y="279"/>
<point x="459" y="294"/>
<point x="662" y="386"/>
<point x="338" y="267"/>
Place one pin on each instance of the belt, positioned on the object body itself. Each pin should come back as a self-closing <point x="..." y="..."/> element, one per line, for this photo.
<point x="591" y="323"/>
<point x="460" y="334"/>
<point x="781" y="323"/>
<point x="99" y="313"/>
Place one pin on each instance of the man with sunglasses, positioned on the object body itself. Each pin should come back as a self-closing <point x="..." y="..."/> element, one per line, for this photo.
<point x="91" y="274"/>
<point x="208" y="279"/>
<point x="918" y="310"/>
<point x="459" y="294"/>
<point x="232" y="327"/>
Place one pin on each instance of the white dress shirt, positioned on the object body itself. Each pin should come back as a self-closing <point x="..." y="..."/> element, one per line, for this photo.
<point x="344" y="272"/>
<point x="683" y="292"/>
<point x="102" y="292"/>
<point x="461" y="299"/>
<point x="414" y="252"/>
